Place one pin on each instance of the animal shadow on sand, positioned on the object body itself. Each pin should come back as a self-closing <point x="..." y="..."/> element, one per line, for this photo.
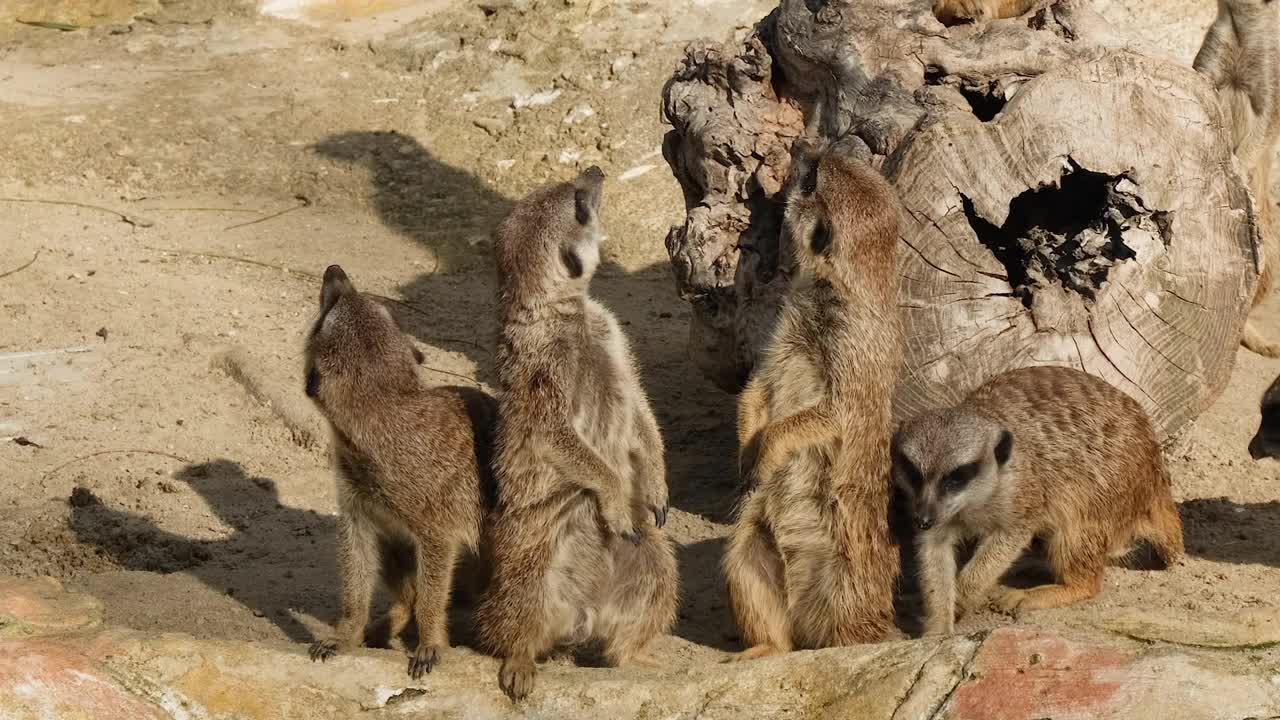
<point x="452" y="213"/>
<point x="278" y="561"/>
<point x="1226" y="531"/>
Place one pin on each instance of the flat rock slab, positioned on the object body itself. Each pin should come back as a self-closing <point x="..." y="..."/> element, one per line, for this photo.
<point x="1008" y="674"/>
<point x="32" y="606"/>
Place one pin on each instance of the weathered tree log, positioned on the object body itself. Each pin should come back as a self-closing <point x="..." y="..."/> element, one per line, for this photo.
<point x="1066" y="201"/>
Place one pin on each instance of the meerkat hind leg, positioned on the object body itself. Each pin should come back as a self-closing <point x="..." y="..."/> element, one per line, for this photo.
<point x="642" y="602"/>
<point x="756" y="580"/>
<point x="1078" y="562"/>
<point x="358" y="561"/>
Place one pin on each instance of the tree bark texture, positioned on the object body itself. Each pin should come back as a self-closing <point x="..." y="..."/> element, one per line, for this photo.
<point x="1065" y="200"/>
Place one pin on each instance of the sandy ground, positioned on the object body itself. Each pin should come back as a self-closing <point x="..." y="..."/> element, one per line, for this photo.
<point x="223" y="158"/>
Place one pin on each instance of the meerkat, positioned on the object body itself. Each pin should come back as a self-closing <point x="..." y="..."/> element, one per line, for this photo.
<point x="412" y="464"/>
<point x="1049" y="452"/>
<point x="1266" y="442"/>
<point x="951" y="12"/>
<point x="578" y="552"/>
<point x="810" y="562"/>
<point x="1240" y="55"/>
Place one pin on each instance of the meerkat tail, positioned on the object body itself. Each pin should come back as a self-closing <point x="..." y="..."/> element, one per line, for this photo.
<point x="1254" y="341"/>
<point x="293" y="412"/>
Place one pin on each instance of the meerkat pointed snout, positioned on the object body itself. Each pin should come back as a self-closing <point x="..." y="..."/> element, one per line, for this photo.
<point x="1266" y="441"/>
<point x="1048" y="452"/>
<point x="412" y="466"/>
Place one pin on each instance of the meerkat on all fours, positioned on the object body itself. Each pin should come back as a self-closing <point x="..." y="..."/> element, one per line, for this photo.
<point x="810" y="562"/>
<point x="1266" y="441"/>
<point x="413" y="469"/>
<point x="1240" y="55"/>
<point x="577" y="549"/>
<point x="1048" y="452"/>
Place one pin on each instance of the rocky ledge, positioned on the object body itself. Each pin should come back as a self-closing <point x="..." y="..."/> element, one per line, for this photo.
<point x="58" y="660"/>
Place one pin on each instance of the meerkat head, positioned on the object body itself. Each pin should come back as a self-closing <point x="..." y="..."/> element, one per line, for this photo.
<point x="354" y="347"/>
<point x="839" y="211"/>
<point x="548" y="246"/>
<point x="1266" y="442"/>
<point x="948" y="461"/>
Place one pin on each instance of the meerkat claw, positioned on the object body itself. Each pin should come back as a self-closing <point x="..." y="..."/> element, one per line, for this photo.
<point x="660" y="515"/>
<point x="422" y="661"/>
<point x="323" y="650"/>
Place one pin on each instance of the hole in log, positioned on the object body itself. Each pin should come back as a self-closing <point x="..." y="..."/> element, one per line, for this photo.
<point x="1070" y="234"/>
<point x="985" y="100"/>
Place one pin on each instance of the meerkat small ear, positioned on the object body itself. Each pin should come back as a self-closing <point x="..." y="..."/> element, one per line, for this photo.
<point x="335" y="285"/>
<point x="572" y="262"/>
<point x="1004" y="447"/>
<point x="313" y="382"/>
<point x="820" y="243"/>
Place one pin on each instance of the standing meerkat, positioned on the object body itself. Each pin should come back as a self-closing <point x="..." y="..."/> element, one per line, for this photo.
<point x="951" y="12"/>
<point x="1241" y="57"/>
<point x="810" y="562"/>
<point x="1048" y="452"/>
<point x="412" y="464"/>
<point x="1266" y="442"/>
<point x="577" y="549"/>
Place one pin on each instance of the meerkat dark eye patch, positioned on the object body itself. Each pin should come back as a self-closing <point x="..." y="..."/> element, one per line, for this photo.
<point x="582" y="206"/>
<point x="809" y="185"/>
<point x="572" y="262"/>
<point x="821" y="240"/>
<point x="908" y="470"/>
<point x="418" y="357"/>
<point x="1004" y="447"/>
<point x="957" y="479"/>
<point x="313" y="382"/>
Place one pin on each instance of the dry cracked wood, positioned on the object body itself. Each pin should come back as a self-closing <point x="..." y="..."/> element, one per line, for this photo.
<point x="1066" y="201"/>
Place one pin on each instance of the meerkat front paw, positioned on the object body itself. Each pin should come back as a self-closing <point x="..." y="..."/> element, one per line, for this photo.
<point x="1009" y="602"/>
<point x="516" y="677"/>
<point x="322" y="650"/>
<point x="939" y="626"/>
<point x="619" y="522"/>
<point x="423" y="660"/>
<point x="656" y="502"/>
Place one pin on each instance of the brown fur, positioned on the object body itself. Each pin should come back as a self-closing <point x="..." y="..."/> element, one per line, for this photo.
<point x="1041" y="451"/>
<point x="1240" y="55"/>
<point x="1266" y="442"/>
<point x="578" y="553"/>
<point x="412" y="465"/>
<point x="951" y="12"/>
<point x="810" y="562"/>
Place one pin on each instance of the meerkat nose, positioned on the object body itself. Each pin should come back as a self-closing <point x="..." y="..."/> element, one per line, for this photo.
<point x="924" y="522"/>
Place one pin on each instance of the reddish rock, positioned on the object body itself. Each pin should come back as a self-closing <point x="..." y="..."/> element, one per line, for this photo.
<point x="46" y="678"/>
<point x="1021" y="675"/>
